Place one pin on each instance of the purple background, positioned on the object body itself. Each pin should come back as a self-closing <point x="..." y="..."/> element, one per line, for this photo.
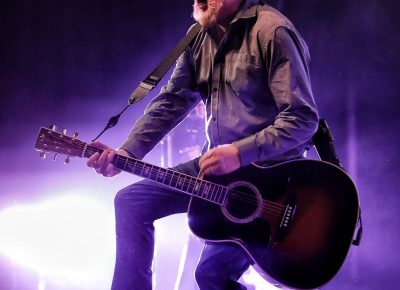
<point x="75" y="63"/>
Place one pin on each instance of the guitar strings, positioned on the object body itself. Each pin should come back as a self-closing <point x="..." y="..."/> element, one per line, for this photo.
<point x="272" y="207"/>
<point x="239" y="195"/>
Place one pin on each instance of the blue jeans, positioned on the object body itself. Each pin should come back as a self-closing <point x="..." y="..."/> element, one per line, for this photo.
<point x="136" y="208"/>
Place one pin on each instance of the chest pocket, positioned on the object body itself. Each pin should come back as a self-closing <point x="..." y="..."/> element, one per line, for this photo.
<point x="245" y="74"/>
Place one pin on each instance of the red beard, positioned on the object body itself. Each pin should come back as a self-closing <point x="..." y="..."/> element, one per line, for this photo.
<point x="206" y="12"/>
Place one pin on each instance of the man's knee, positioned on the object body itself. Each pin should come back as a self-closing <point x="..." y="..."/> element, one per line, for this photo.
<point x="130" y="203"/>
<point x="133" y="195"/>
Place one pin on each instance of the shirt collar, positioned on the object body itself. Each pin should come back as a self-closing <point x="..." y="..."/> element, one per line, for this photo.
<point x="248" y="9"/>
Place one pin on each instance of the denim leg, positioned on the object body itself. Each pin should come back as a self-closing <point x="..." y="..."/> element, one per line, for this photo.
<point x="136" y="208"/>
<point x="220" y="267"/>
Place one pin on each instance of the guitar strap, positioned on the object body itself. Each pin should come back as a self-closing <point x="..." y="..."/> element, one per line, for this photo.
<point x="323" y="142"/>
<point x="151" y="81"/>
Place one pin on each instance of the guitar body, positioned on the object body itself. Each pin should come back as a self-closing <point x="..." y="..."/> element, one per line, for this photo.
<point x="295" y="220"/>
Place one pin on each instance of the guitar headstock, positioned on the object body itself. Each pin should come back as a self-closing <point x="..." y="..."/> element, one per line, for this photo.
<point x="50" y="141"/>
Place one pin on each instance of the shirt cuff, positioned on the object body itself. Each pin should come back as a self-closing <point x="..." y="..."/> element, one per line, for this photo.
<point x="247" y="150"/>
<point x="130" y="154"/>
<point x="132" y="150"/>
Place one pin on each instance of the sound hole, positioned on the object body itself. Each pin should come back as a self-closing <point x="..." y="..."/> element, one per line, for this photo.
<point x="243" y="203"/>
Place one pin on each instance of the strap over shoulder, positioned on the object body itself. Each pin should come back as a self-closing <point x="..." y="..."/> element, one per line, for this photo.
<point x="151" y="81"/>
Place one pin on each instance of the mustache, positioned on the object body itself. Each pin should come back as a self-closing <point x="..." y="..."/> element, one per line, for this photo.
<point x="212" y="4"/>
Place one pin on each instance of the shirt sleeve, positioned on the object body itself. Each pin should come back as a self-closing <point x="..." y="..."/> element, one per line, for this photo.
<point x="288" y="79"/>
<point x="175" y="100"/>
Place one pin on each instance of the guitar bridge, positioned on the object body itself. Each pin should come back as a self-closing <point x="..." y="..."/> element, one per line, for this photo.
<point x="287" y="215"/>
<point x="284" y="226"/>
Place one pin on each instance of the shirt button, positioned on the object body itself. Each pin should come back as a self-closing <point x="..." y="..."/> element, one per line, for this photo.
<point x="214" y="119"/>
<point x="215" y="89"/>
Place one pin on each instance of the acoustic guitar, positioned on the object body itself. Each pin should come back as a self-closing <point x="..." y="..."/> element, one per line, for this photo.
<point x="295" y="220"/>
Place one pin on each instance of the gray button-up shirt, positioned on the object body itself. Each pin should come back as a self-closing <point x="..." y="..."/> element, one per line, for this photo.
<point x="255" y="85"/>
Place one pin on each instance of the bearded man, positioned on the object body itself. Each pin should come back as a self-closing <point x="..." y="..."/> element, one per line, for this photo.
<point x="249" y="66"/>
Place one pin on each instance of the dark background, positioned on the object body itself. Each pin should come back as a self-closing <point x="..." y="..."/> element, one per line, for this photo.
<point x="75" y="63"/>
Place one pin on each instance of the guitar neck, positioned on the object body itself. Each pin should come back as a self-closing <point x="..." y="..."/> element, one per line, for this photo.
<point x="203" y="189"/>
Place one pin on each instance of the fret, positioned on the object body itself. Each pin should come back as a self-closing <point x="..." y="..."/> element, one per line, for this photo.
<point x="146" y="171"/>
<point x="164" y="176"/>
<point x="141" y="172"/>
<point x="221" y="195"/>
<point x="192" y="186"/>
<point x="158" y="174"/>
<point x="214" y="193"/>
<point x="203" y="186"/>
<point x="197" y="187"/>
<point x="200" y="189"/>
<point x="120" y="162"/>
<point x="128" y="166"/>
<point x="133" y="168"/>
<point x="218" y="194"/>
<point x="176" y="181"/>
<point x="181" y="182"/>
<point x="153" y="173"/>
<point x="126" y="161"/>
<point x="206" y="189"/>
<point x="189" y="183"/>
<point x="170" y="180"/>
<point x="84" y="150"/>
<point x="170" y="177"/>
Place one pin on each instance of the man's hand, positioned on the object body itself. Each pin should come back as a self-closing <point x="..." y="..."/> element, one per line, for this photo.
<point x="102" y="162"/>
<point x="220" y="160"/>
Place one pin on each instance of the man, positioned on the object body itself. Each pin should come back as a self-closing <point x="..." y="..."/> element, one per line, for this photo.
<point x="248" y="65"/>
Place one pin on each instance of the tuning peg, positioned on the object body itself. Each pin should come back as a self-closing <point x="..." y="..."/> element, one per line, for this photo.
<point x="64" y="131"/>
<point x="43" y="155"/>
<point x="55" y="156"/>
<point x="66" y="161"/>
<point x="53" y="127"/>
<point x="75" y="135"/>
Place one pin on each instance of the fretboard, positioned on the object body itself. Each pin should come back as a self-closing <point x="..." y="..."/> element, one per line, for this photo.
<point x="212" y="192"/>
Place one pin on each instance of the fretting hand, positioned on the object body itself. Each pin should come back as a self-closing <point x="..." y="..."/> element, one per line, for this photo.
<point x="102" y="162"/>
